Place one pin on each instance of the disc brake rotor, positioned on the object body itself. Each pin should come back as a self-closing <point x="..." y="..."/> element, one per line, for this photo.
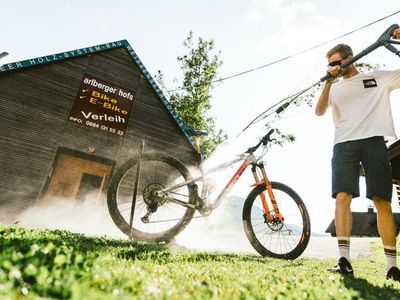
<point x="274" y="224"/>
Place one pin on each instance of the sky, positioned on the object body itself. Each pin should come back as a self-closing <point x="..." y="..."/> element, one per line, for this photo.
<point x="248" y="34"/>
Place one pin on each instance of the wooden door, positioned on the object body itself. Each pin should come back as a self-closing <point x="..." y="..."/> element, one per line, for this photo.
<point x="77" y="178"/>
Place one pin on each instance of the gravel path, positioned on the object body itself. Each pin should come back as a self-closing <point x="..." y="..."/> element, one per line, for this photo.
<point x="326" y="247"/>
<point x="318" y="247"/>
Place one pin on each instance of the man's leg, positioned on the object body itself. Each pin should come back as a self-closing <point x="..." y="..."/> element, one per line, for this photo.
<point x="387" y="230"/>
<point x="343" y="223"/>
<point x="378" y="179"/>
<point x="345" y="186"/>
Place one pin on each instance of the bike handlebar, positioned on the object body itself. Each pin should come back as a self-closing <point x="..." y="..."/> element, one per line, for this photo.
<point x="264" y="141"/>
<point x="383" y="40"/>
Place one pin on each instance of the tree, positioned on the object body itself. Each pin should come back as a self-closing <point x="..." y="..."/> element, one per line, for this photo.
<point x="192" y="101"/>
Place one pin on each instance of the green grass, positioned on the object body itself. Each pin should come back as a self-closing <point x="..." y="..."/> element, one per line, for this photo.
<point x="59" y="264"/>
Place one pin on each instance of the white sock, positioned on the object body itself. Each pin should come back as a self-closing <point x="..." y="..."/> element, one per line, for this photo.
<point x="390" y="254"/>
<point x="344" y="246"/>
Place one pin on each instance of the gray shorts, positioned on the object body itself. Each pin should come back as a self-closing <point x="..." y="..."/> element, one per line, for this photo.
<point x="371" y="154"/>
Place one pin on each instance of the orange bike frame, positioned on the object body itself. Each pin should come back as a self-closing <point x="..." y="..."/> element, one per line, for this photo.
<point x="271" y="195"/>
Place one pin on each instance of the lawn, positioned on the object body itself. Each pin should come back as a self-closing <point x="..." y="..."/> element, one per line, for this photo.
<point x="63" y="265"/>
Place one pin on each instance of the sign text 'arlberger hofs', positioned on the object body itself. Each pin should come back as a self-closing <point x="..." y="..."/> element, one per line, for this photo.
<point x="102" y="106"/>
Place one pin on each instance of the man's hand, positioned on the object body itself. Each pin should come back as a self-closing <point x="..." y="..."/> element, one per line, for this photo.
<point x="396" y="34"/>
<point x="334" y="71"/>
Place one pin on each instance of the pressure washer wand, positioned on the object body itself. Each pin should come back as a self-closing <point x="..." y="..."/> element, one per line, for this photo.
<point x="383" y="40"/>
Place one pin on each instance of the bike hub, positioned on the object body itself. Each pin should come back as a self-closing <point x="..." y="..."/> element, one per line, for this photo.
<point x="151" y="198"/>
<point x="274" y="224"/>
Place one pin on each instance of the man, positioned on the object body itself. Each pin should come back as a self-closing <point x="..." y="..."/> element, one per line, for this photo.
<point x="362" y="117"/>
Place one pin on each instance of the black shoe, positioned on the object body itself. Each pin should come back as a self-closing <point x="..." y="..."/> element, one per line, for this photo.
<point x="343" y="267"/>
<point x="394" y="274"/>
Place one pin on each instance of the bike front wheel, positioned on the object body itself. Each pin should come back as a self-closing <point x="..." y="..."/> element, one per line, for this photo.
<point x="286" y="239"/>
<point x="137" y="209"/>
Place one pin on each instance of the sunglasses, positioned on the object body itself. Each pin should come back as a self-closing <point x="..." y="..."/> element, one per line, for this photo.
<point x="335" y="63"/>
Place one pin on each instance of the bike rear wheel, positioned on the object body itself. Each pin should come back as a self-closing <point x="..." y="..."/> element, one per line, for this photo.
<point x="133" y="184"/>
<point x="285" y="239"/>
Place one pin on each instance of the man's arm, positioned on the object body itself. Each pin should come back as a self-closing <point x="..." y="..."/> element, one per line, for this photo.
<point x="322" y="103"/>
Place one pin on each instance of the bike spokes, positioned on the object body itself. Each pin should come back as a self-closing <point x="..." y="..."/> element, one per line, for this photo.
<point x="135" y="188"/>
<point x="283" y="235"/>
<point x="152" y="215"/>
<point x="150" y="208"/>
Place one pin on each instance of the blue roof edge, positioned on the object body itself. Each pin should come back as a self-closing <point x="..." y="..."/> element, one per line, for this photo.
<point x="94" y="49"/>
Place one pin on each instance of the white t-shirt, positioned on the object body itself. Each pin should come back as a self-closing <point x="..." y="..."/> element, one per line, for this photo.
<point x="361" y="105"/>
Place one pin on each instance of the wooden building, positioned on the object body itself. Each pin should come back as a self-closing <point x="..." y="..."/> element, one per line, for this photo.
<point x="364" y="224"/>
<point x="68" y="119"/>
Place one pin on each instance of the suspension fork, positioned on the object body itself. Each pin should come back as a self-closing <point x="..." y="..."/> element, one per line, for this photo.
<point x="271" y="195"/>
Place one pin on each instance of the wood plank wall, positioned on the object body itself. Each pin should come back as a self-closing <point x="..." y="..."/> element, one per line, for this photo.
<point x="35" y="104"/>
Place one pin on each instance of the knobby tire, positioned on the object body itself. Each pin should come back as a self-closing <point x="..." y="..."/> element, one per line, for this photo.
<point x="286" y="240"/>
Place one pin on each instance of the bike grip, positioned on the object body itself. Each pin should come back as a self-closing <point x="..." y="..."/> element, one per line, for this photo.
<point x="269" y="134"/>
<point x="265" y="138"/>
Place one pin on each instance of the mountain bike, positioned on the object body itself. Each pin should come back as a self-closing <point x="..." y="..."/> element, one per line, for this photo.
<point x="154" y="197"/>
